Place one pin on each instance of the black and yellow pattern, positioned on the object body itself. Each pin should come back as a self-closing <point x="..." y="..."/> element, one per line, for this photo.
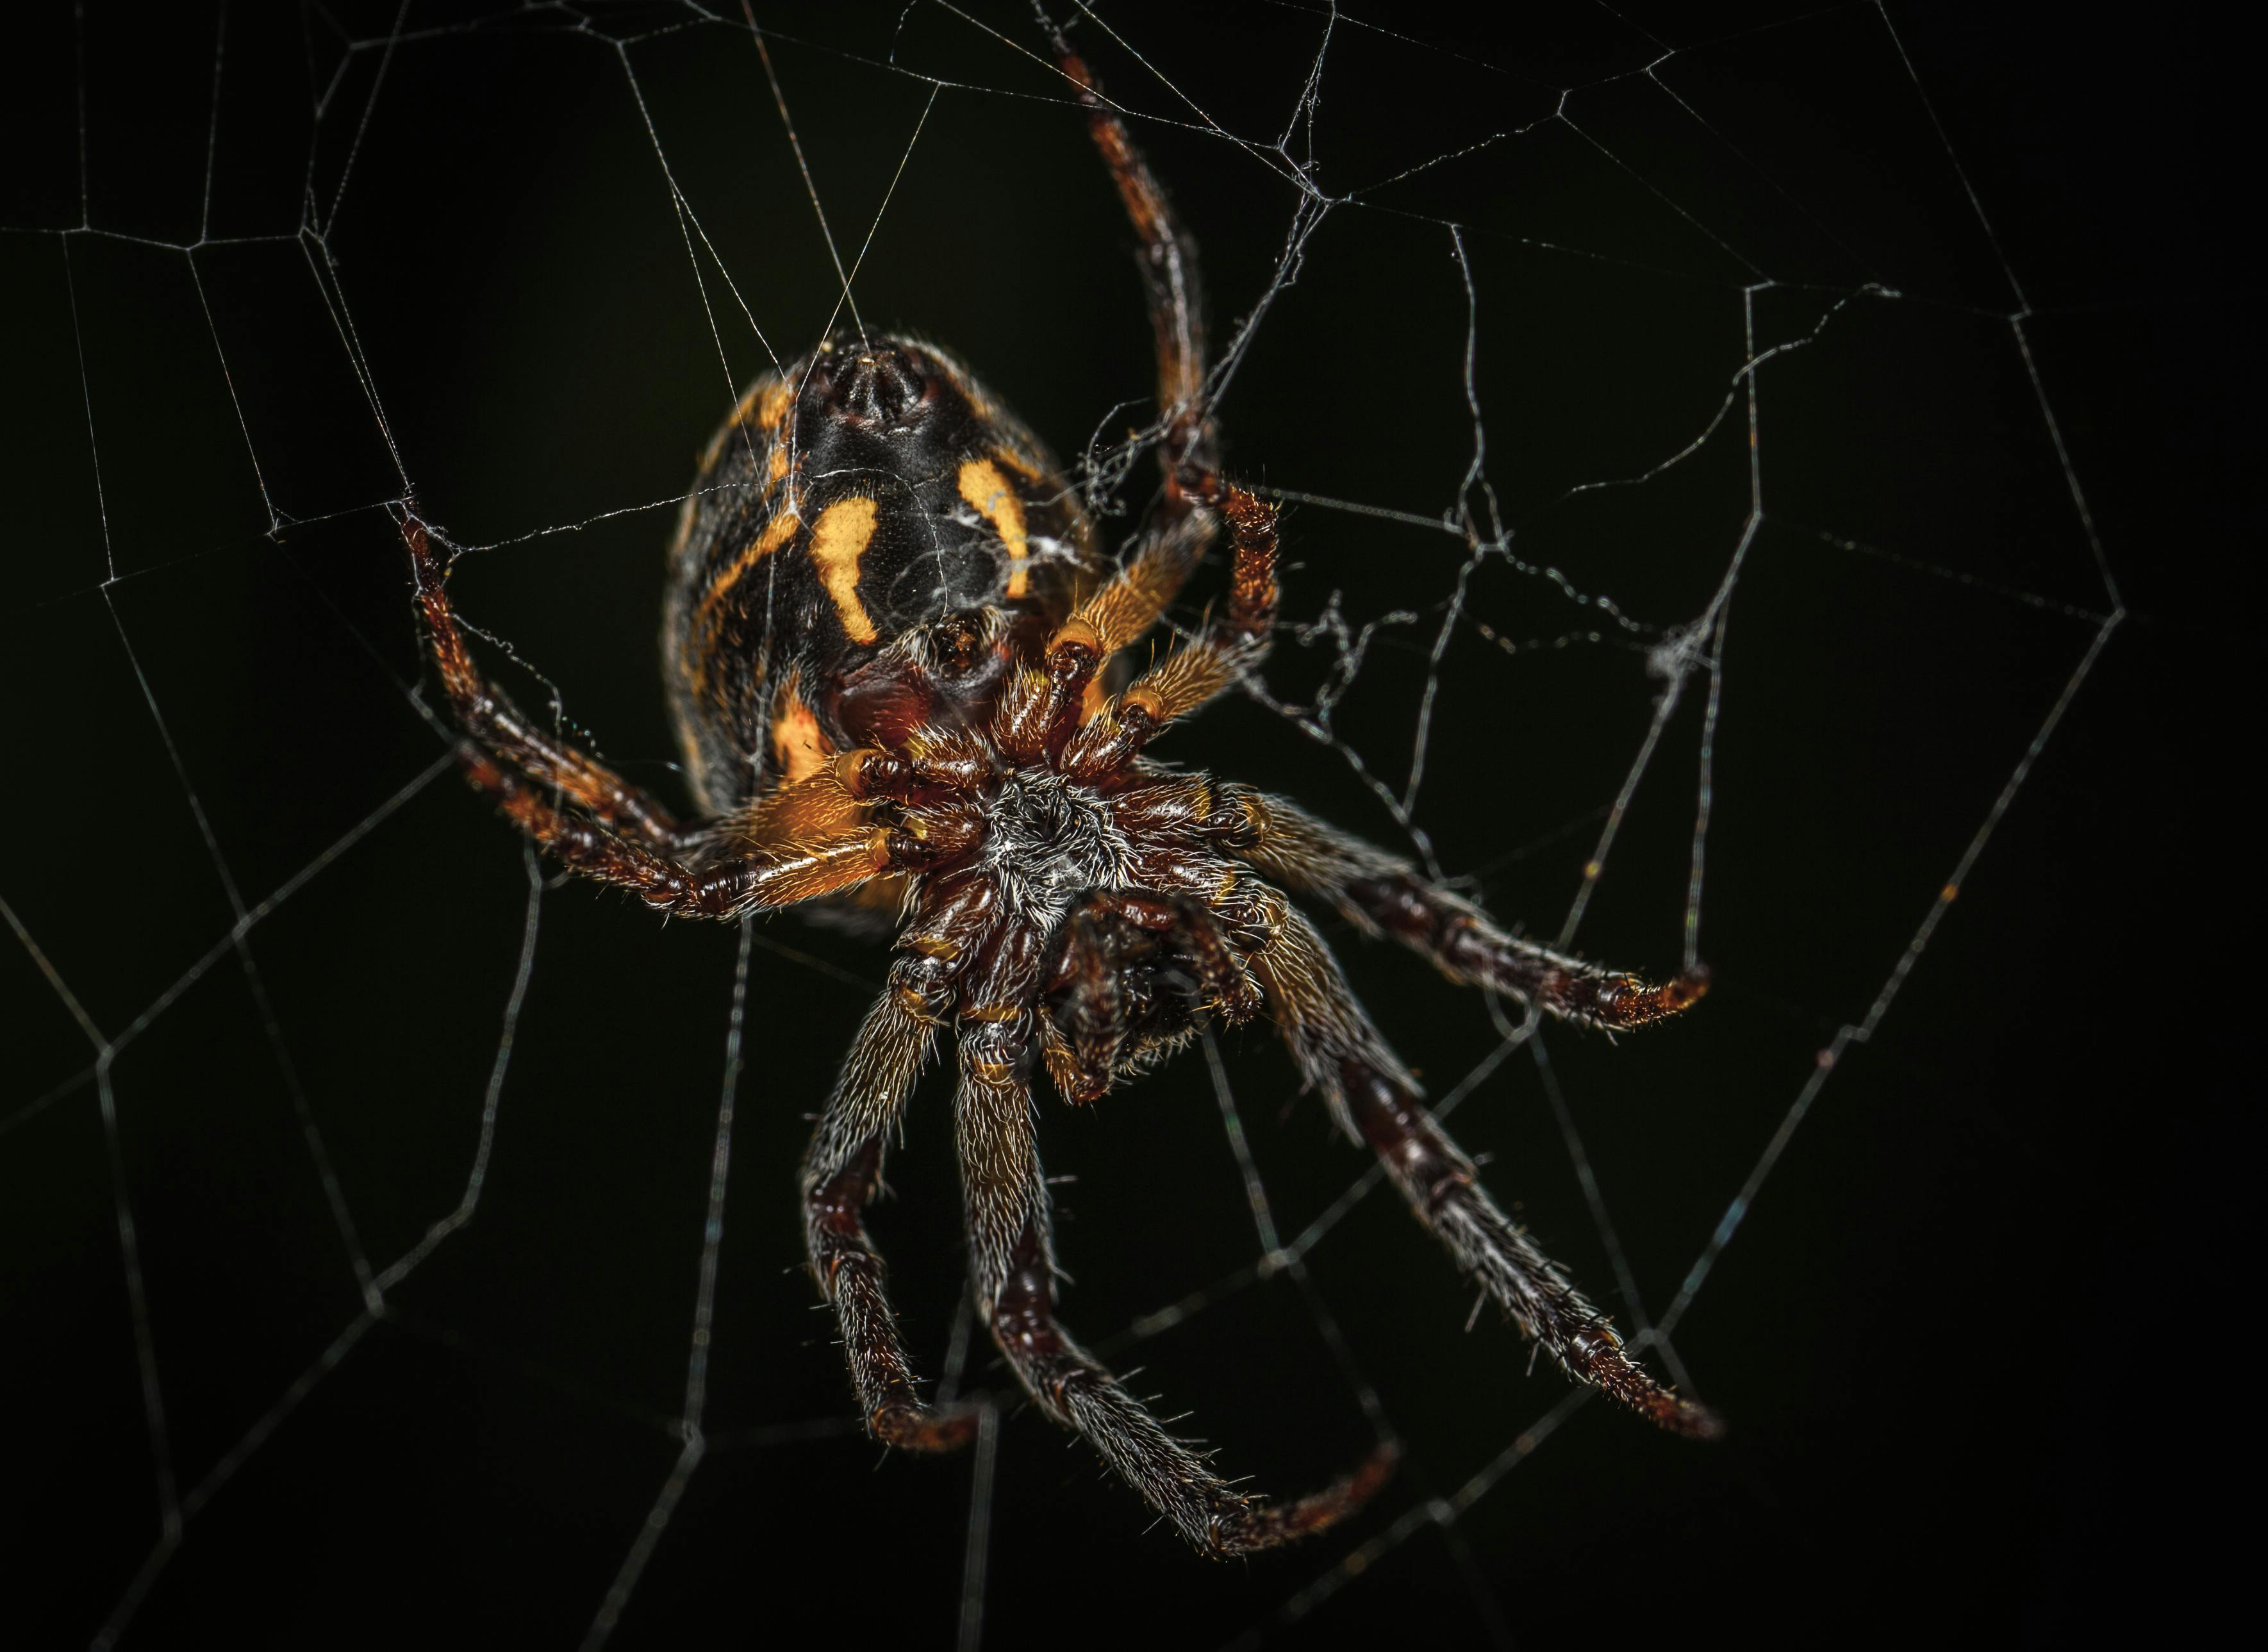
<point x="865" y="531"/>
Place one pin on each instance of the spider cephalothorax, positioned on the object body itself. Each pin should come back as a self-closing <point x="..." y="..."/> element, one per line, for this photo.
<point x="897" y="662"/>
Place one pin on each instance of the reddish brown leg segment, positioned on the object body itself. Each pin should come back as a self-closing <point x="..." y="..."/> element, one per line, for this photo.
<point x="1156" y="566"/>
<point x="841" y="1171"/>
<point x="727" y="889"/>
<point x="1383" y="893"/>
<point x="1445" y="1192"/>
<point x="1252" y="590"/>
<point x="616" y="834"/>
<point x="1073" y="1388"/>
<point x="487" y="715"/>
<point x="1340" y="1052"/>
<point x="1013" y="1278"/>
<point x="1470" y="950"/>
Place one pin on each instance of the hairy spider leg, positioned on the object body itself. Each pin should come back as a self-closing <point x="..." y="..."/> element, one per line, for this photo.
<point x="1381" y="893"/>
<point x="727" y="888"/>
<point x="1035" y="714"/>
<point x="1235" y="642"/>
<point x="843" y="1171"/>
<point x="630" y="841"/>
<point x="1159" y="562"/>
<point x="1012" y="1274"/>
<point x="1154" y="569"/>
<point x="1376" y="1101"/>
<point x="487" y="715"/>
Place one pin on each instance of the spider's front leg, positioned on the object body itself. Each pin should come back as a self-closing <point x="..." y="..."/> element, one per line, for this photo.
<point x="611" y="831"/>
<point x="843" y="1171"/>
<point x="1341" y="1054"/>
<point x="1012" y="1270"/>
<point x="1168" y="259"/>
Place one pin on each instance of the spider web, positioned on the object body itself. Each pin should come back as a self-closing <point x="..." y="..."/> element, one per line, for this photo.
<point x="1683" y="553"/>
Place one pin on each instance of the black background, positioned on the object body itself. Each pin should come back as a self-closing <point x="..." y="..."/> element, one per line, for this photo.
<point x="1971" y="1336"/>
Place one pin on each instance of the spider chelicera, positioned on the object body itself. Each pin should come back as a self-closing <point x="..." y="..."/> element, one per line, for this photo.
<point x="894" y="654"/>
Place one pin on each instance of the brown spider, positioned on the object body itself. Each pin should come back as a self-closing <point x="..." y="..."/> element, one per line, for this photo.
<point x="891" y="642"/>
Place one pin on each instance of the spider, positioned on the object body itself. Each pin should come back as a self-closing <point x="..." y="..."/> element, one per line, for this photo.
<point x="897" y="662"/>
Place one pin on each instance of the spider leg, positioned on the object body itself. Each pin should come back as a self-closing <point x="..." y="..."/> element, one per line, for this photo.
<point x="1196" y="496"/>
<point x="492" y="721"/>
<point x="1380" y="892"/>
<point x="1042" y="705"/>
<point x="1156" y="567"/>
<point x="1159" y="565"/>
<point x="1168" y="259"/>
<point x="843" y="1171"/>
<point x="1234" y="643"/>
<point x="1012" y="1270"/>
<point x="726" y="887"/>
<point x="1376" y="1101"/>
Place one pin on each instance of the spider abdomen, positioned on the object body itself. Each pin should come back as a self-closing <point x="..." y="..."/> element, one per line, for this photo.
<point x="869" y="538"/>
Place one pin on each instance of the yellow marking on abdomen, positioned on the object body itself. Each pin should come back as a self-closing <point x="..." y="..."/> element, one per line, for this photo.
<point x="1022" y="464"/>
<point x="771" y="403"/>
<point x="764" y="406"/>
<point x="776" y="533"/>
<point x="797" y="743"/>
<point x="838" y="539"/>
<point x="983" y="487"/>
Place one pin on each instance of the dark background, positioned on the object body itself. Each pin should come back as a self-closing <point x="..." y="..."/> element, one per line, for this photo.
<point x="1969" y="1338"/>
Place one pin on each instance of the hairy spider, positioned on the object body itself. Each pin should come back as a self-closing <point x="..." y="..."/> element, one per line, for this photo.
<point x="891" y="644"/>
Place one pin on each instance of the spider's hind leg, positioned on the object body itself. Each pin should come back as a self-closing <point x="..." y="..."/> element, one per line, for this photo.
<point x="841" y="1173"/>
<point x="1382" y="893"/>
<point x="1342" y="1055"/>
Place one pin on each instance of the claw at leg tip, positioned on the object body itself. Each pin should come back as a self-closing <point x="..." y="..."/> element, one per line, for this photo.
<point x="1696" y="1421"/>
<point x="942" y="1428"/>
<point x="1689" y="988"/>
<point x="1268" y="1526"/>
